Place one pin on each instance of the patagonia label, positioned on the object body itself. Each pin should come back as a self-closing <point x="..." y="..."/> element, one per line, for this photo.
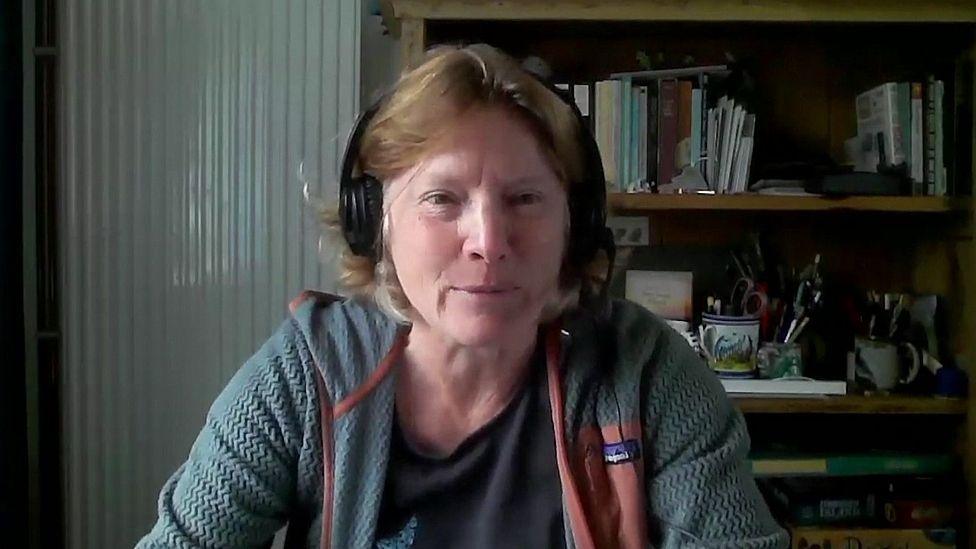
<point x="621" y="452"/>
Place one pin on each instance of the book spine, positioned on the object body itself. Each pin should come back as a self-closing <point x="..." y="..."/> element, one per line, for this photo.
<point x="892" y="129"/>
<point x="940" y="172"/>
<point x="918" y="157"/>
<point x="930" y="136"/>
<point x="603" y="119"/>
<point x="624" y="146"/>
<point x="683" y="151"/>
<point x="668" y="134"/>
<point x="653" y="92"/>
<point x="613" y="131"/>
<point x="633" y="151"/>
<point x="889" y="465"/>
<point x="696" y="127"/>
<point x="703" y="154"/>
<point x="642" y="135"/>
<point x="904" y="96"/>
<point x="711" y="162"/>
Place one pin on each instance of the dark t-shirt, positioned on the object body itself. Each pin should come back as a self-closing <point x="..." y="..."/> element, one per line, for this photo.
<point x="499" y="488"/>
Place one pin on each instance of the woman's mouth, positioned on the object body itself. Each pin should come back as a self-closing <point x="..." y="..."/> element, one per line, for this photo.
<point x="489" y="289"/>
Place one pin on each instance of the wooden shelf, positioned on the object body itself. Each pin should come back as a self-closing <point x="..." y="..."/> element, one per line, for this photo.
<point x="797" y="11"/>
<point x="755" y="202"/>
<point x="852" y="404"/>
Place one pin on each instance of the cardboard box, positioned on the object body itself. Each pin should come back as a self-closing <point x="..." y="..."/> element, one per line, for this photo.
<point x="871" y="538"/>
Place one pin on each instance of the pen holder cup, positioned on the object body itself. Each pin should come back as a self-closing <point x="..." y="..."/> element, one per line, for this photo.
<point x="776" y="360"/>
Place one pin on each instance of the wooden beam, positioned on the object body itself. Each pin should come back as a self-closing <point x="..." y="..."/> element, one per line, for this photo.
<point x="412" y="42"/>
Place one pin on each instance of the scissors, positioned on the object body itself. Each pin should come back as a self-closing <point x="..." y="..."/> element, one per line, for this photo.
<point x="749" y="297"/>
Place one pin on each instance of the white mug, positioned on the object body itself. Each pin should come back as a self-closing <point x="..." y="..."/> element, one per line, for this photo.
<point x="878" y="364"/>
<point x="730" y="344"/>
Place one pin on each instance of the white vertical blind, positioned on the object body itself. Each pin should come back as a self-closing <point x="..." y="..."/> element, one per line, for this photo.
<point x="183" y="230"/>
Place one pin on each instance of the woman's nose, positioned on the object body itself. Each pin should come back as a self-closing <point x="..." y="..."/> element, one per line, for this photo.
<point x="488" y="235"/>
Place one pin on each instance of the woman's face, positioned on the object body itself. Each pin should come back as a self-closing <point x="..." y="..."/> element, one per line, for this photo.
<point x="477" y="231"/>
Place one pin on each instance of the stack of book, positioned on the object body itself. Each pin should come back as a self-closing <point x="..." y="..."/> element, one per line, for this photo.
<point x="654" y="126"/>
<point x="675" y="129"/>
<point x="914" y="125"/>
<point x="902" y="511"/>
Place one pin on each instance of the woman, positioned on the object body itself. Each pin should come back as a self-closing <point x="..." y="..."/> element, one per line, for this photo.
<point x="467" y="398"/>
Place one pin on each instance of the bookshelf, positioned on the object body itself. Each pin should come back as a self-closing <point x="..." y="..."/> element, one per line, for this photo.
<point x="813" y="57"/>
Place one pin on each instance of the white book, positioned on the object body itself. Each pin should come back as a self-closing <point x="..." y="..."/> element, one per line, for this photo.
<point x="877" y="112"/>
<point x="748" y="138"/>
<point x="732" y="138"/>
<point x="739" y="170"/>
<point x="738" y="135"/>
<point x="784" y="387"/>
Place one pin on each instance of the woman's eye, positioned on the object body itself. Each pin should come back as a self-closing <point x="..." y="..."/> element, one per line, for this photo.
<point x="527" y="198"/>
<point x="439" y="199"/>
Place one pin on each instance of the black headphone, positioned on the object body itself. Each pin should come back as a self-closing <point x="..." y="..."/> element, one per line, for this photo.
<point x="361" y="197"/>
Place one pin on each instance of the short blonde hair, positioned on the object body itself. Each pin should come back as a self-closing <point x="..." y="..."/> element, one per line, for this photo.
<point x="423" y="105"/>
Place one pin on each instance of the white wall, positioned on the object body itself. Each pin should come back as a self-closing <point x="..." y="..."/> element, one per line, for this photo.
<point x="183" y="229"/>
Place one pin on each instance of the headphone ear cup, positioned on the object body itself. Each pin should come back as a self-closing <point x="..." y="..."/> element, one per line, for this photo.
<point x="373" y="203"/>
<point x="362" y="205"/>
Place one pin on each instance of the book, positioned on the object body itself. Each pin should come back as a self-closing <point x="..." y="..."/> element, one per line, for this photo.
<point x="642" y="134"/>
<point x="712" y="148"/>
<point x="877" y="113"/>
<point x="667" y="131"/>
<point x="939" y="119"/>
<point x="703" y="154"/>
<point x="784" y="387"/>
<point x="743" y="156"/>
<point x="604" y="130"/>
<point x="918" y="158"/>
<point x="904" y="106"/>
<point x="819" y="502"/>
<point x="623" y="146"/>
<point x="730" y="139"/>
<point x="696" y="127"/>
<point x="930" y="135"/>
<point x="725" y="109"/>
<point x="653" y="91"/>
<point x="902" y="501"/>
<point x="808" y="536"/>
<point x="845" y="465"/>
<point x="683" y="149"/>
<point x="635" y="139"/>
